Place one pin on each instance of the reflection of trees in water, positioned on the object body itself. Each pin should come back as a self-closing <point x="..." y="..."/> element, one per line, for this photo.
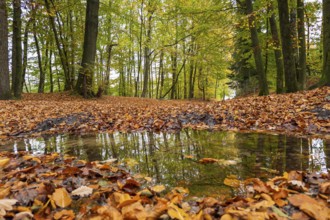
<point x="164" y="155"/>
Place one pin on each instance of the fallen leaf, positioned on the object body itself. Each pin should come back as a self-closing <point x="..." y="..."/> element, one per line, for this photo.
<point x="6" y="205"/>
<point x="158" y="188"/>
<point x="64" y="214"/>
<point x="61" y="197"/>
<point x="82" y="191"/>
<point x="4" y="162"/>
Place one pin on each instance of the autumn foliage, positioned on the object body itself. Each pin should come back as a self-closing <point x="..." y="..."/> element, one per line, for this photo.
<point x="56" y="187"/>
<point x="303" y="113"/>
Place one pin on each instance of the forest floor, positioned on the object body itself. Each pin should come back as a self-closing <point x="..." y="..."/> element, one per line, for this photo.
<point x="305" y="113"/>
<point x="60" y="187"/>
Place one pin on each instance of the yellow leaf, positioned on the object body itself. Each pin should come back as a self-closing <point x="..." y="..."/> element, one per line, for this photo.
<point x="4" y="162"/>
<point x="235" y="183"/>
<point x="61" y="197"/>
<point x="177" y="213"/>
<point x="158" y="188"/>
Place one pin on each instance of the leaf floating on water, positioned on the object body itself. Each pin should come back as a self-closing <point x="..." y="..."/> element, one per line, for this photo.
<point x="61" y="197"/>
<point x="82" y="191"/>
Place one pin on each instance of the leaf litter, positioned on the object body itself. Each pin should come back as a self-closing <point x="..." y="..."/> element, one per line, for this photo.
<point x="42" y="180"/>
<point x="302" y="113"/>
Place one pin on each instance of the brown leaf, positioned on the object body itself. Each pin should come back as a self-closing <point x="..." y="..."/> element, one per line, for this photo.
<point x="134" y="211"/>
<point x="208" y="160"/>
<point x="65" y="214"/>
<point x="61" y="197"/>
<point x="325" y="188"/>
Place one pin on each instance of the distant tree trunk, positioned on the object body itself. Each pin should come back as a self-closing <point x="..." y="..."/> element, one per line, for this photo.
<point x="263" y="85"/>
<point x="41" y="70"/>
<point x="294" y="35"/>
<point x="17" y="50"/>
<point x="277" y="53"/>
<point x="60" y="48"/>
<point x="4" y="62"/>
<point x="25" y="51"/>
<point x="326" y="43"/>
<point x="51" y="72"/>
<point x="288" y="56"/>
<point x="85" y="78"/>
<point x="146" y="70"/>
<point x="302" y="44"/>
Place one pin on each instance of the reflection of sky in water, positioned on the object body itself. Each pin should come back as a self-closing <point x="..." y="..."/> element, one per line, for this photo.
<point x="172" y="159"/>
<point x="317" y="155"/>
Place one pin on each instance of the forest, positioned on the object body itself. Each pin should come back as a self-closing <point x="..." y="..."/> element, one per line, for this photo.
<point x="163" y="49"/>
<point x="165" y="109"/>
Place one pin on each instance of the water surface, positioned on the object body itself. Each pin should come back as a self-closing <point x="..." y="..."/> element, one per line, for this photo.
<point x="172" y="159"/>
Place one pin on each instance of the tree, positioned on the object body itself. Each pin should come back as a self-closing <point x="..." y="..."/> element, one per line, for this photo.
<point x="85" y="79"/>
<point x="302" y="44"/>
<point x="326" y="43"/>
<point x="263" y="85"/>
<point x="287" y="50"/>
<point x="17" y="69"/>
<point x="277" y="52"/>
<point x="4" y="68"/>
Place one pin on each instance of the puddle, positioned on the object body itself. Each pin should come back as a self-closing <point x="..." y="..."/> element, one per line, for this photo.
<point x="173" y="159"/>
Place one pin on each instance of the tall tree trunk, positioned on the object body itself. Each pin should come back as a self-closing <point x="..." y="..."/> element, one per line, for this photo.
<point x="277" y="53"/>
<point x="41" y="70"/>
<point x="302" y="44"/>
<point x="17" y="50"/>
<point x="25" y="50"/>
<point x="288" y="56"/>
<point x="85" y="78"/>
<point x="4" y="62"/>
<point x="146" y="69"/>
<point x="263" y="84"/>
<point x="326" y="43"/>
<point x="51" y="71"/>
<point x="60" y="46"/>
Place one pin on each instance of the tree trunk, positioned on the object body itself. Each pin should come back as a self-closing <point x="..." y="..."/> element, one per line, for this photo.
<point x="288" y="56"/>
<point x="326" y="43"/>
<point x="4" y="62"/>
<point x="42" y="73"/>
<point x="146" y="68"/>
<point x="61" y="52"/>
<point x="263" y="85"/>
<point x="302" y="45"/>
<point x="17" y="50"/>
<point x="25" y="51"/>
<point x="277" y="53"/>
<point x="85" y="78"/>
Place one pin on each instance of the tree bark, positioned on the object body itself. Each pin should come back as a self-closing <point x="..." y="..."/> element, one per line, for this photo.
<point x="85" y="79"/>
<point x="4" y="62"/>
<point x="60" y="48"/>
<point x="326" y="43"/>
<point x="288" y="56"/>
<point x="146" y="68"/>
<point x="302" y="44"/>
<point x="277" y="53"/>
<point x="263" y="84"/>
<point x="17" y="50"/>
